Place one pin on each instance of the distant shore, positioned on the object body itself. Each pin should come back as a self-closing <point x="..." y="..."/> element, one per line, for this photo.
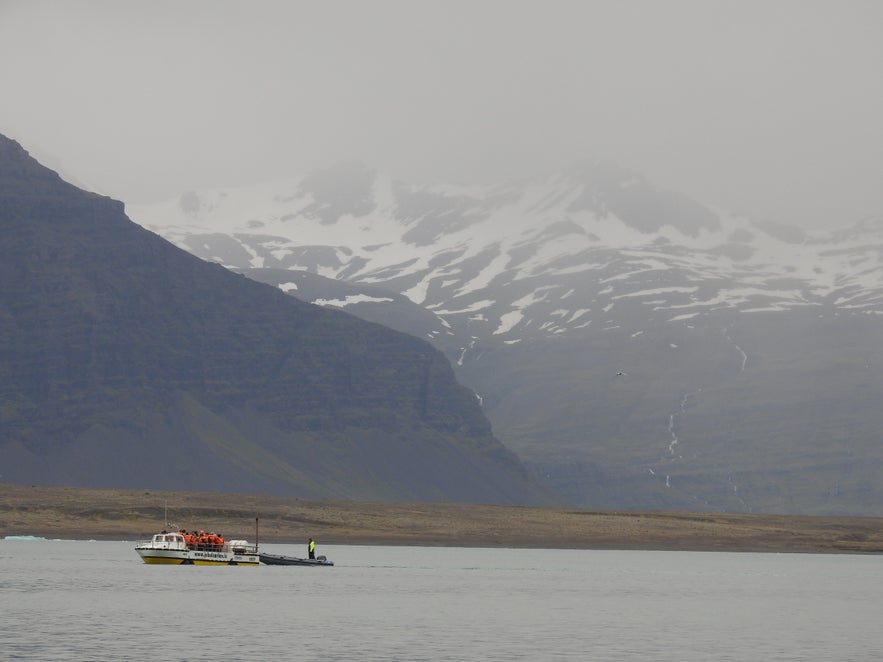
<point x="74" y="513"/>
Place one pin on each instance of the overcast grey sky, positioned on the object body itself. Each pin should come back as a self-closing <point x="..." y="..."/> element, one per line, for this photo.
<point x="770" y="107"/>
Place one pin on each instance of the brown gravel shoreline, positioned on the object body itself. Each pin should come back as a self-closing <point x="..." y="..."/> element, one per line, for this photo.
<point x="60" y="512"/>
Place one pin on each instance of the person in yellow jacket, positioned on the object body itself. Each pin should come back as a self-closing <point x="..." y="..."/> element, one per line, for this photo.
<point x="311" y="549"/>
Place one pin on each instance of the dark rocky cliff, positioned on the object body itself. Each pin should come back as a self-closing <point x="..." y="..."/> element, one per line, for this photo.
<point x="126" y="362"/>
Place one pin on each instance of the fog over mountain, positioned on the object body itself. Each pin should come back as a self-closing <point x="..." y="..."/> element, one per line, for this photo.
<point x="768" y="109"/>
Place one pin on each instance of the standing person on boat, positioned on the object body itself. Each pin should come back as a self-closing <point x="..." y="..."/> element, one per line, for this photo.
<point x="311" y="549"/>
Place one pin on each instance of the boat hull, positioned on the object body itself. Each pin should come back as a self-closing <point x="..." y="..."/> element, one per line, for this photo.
<point x="191" y="557"/>
<point x="160" y="560"/>
<point x="278" y="559"/>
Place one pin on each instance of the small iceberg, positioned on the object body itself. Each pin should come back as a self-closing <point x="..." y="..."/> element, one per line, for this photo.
<point x="24" y="538"/>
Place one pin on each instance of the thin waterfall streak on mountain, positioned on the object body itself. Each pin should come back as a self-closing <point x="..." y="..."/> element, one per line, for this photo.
<point x="671" y="420"/>
<point x="671" y="431"/>
<point x="742" y="353"/>
<point x="465" y="349"/>
<point x="675" y="440"/>
<point x="738" y="496"/>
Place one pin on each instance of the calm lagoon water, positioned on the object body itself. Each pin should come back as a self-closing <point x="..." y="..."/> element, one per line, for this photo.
<point x="78" y="600"/>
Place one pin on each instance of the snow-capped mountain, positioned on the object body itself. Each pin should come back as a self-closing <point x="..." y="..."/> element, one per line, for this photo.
<point x="586" y="308"/>
<point x="555" y="255"/>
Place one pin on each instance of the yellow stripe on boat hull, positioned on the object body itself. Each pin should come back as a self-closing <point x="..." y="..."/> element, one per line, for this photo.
<point x="165" y="560"/>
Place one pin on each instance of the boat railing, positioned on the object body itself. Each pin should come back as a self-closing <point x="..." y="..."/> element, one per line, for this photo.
<point x="241" y="547"/>
<point x="207" y="547"/>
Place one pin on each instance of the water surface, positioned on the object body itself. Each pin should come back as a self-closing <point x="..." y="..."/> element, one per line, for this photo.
<point x="78" y="600"/>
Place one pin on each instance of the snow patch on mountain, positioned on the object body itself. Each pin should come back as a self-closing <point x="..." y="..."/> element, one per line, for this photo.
<point x="347" y="301"/>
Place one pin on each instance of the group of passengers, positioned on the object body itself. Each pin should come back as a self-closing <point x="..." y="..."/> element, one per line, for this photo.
<point x="202" y="540"/>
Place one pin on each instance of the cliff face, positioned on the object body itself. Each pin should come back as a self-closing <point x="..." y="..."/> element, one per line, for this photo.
<point x="125" y="361"/>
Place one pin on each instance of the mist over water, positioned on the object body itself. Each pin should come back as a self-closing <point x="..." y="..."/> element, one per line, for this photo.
<point x="72" y="600"/>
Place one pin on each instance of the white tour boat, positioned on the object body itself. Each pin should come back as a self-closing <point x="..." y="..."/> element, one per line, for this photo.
<point x="179" y="548"/>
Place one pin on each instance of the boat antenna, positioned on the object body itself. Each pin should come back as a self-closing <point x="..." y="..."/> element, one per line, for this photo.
<point x="168" y="524"/>
<point x="256" y="534"/>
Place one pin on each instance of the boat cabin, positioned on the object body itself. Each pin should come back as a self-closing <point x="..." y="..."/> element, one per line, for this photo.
<point x="169" y="541"/>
